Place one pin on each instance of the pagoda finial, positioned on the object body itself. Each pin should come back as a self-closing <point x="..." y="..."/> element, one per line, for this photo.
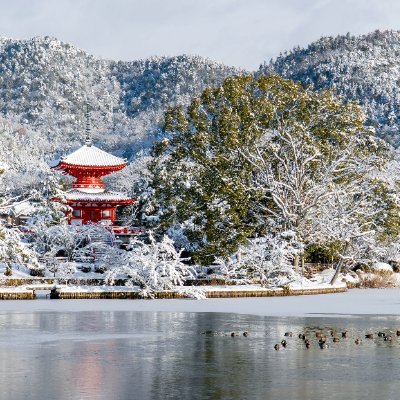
<point x="88" y="133"/>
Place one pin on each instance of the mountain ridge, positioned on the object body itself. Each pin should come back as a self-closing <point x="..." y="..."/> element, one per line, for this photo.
<point x="363" y="68"/>
<point x="44" y="84"/>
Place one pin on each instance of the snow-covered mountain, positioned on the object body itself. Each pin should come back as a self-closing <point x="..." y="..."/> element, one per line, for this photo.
<point x="363" y="68"/>
<point x="44" y="84"/>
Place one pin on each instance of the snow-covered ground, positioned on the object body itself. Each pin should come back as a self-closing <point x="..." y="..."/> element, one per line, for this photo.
<point x="354" y="302"/>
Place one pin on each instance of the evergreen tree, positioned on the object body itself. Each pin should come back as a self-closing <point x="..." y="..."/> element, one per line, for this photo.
<point x="257" y="155"/>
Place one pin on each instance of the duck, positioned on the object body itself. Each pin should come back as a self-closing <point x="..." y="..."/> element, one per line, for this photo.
<point x="397" y="333"/>
<point x="245" y="333"/>
<point x="207" y="333"/>
<point x="302" y="336"/>
<point x="336" y="340"/>
<point x="381" y="334"/>
<point x="233" y="334"/>
<point x="277" y="347"/>
<point x="369" y="336"/>
<point x="323" y="345"/>
<point x="388" y="338"/>
<point x="319" y="334"/>
<point x="308" y="345"/>
<point x="284" y="343"/>
<point x="289" y="334"/>
<point x="357" y="341"/>
<point x="345" y="334"/>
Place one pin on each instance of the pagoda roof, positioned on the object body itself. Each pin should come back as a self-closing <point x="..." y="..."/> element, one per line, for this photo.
<point x="89" y="155"/>
<point x="80" y="195"/>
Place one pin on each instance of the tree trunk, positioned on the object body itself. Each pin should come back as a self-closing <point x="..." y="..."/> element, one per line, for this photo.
<point x="8" y="271"/>
<point x="339" y="265"/>
<point x="296" y="262"/>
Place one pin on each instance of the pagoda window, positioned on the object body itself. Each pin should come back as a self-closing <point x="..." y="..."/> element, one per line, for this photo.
<point x="76" y="213"/>
<point x="106" y="214"/>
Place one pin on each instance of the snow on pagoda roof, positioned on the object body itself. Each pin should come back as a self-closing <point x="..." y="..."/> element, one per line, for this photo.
<point x="79" y="195"/>
<point x="89" y="155"/>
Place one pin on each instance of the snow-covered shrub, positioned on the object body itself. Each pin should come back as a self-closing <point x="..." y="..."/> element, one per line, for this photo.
<point x="13" y="252"/>
<point x="381" y="267"/>
<point x="37" y="269"/>
<point x="270" y="258"/>
<point x="392" y="255"/>
<point x="66" y="270"/>
<point x="69" y="241"/>
<point x="152" y="266"/>
<point x="108" y="257"/>
<point x="53" y="241"/>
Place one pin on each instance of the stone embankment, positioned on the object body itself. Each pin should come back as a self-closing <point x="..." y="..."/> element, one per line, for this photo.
<point x="56" y="291"/>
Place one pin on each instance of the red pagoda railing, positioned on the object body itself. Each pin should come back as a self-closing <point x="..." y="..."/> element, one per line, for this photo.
<point x="125" y="230"/>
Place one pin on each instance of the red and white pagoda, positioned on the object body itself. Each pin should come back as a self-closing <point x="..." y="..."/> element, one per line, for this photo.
<point x="90" y="201"/>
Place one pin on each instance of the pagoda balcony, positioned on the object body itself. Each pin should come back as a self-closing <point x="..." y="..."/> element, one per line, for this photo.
<point x="88" y="182"/>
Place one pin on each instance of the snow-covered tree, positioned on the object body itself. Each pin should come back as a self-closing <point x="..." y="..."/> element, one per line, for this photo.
<point x="13" y="252"/>
<point x="68" y="241"/>
<point x="257" y="156"/>
<point x="268" y="258"/>
<point x="152" y="266"/>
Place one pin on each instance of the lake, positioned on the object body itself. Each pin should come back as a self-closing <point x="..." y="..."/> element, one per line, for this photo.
<point x="168" y="355"/>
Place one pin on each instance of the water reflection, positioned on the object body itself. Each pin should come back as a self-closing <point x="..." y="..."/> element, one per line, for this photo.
<point x="133" y="355"/>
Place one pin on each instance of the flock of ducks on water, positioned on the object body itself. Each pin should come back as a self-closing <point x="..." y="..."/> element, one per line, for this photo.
<point x="321" y="337"/>
<point x="232" y="334"/>
<point x="323" y="340"/>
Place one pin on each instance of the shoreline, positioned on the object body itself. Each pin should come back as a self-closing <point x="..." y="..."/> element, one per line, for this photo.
<point x="355" y="302"/>
<point x="65" y="292"/>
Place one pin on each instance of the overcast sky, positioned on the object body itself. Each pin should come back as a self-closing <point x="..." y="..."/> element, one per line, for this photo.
<point x="242" y="33"/>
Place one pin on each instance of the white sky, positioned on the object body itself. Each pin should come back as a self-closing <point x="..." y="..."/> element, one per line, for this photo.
<point x="242" y="33"/>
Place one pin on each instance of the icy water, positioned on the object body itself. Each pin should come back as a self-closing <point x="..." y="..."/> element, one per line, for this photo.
<point x="164" y="355"/>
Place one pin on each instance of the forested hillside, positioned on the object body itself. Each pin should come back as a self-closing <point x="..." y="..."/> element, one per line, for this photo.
<point x="45" y="83"/>
<point x="362" y="68"/>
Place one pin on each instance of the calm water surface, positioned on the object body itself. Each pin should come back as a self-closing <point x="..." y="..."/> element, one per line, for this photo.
<point x="146" y="355"/>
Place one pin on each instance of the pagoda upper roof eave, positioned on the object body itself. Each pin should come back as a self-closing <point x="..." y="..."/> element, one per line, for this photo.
<point x="62" y="165"/>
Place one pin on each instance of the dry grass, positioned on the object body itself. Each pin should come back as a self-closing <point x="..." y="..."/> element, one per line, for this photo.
<point x="377" y="280"/>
